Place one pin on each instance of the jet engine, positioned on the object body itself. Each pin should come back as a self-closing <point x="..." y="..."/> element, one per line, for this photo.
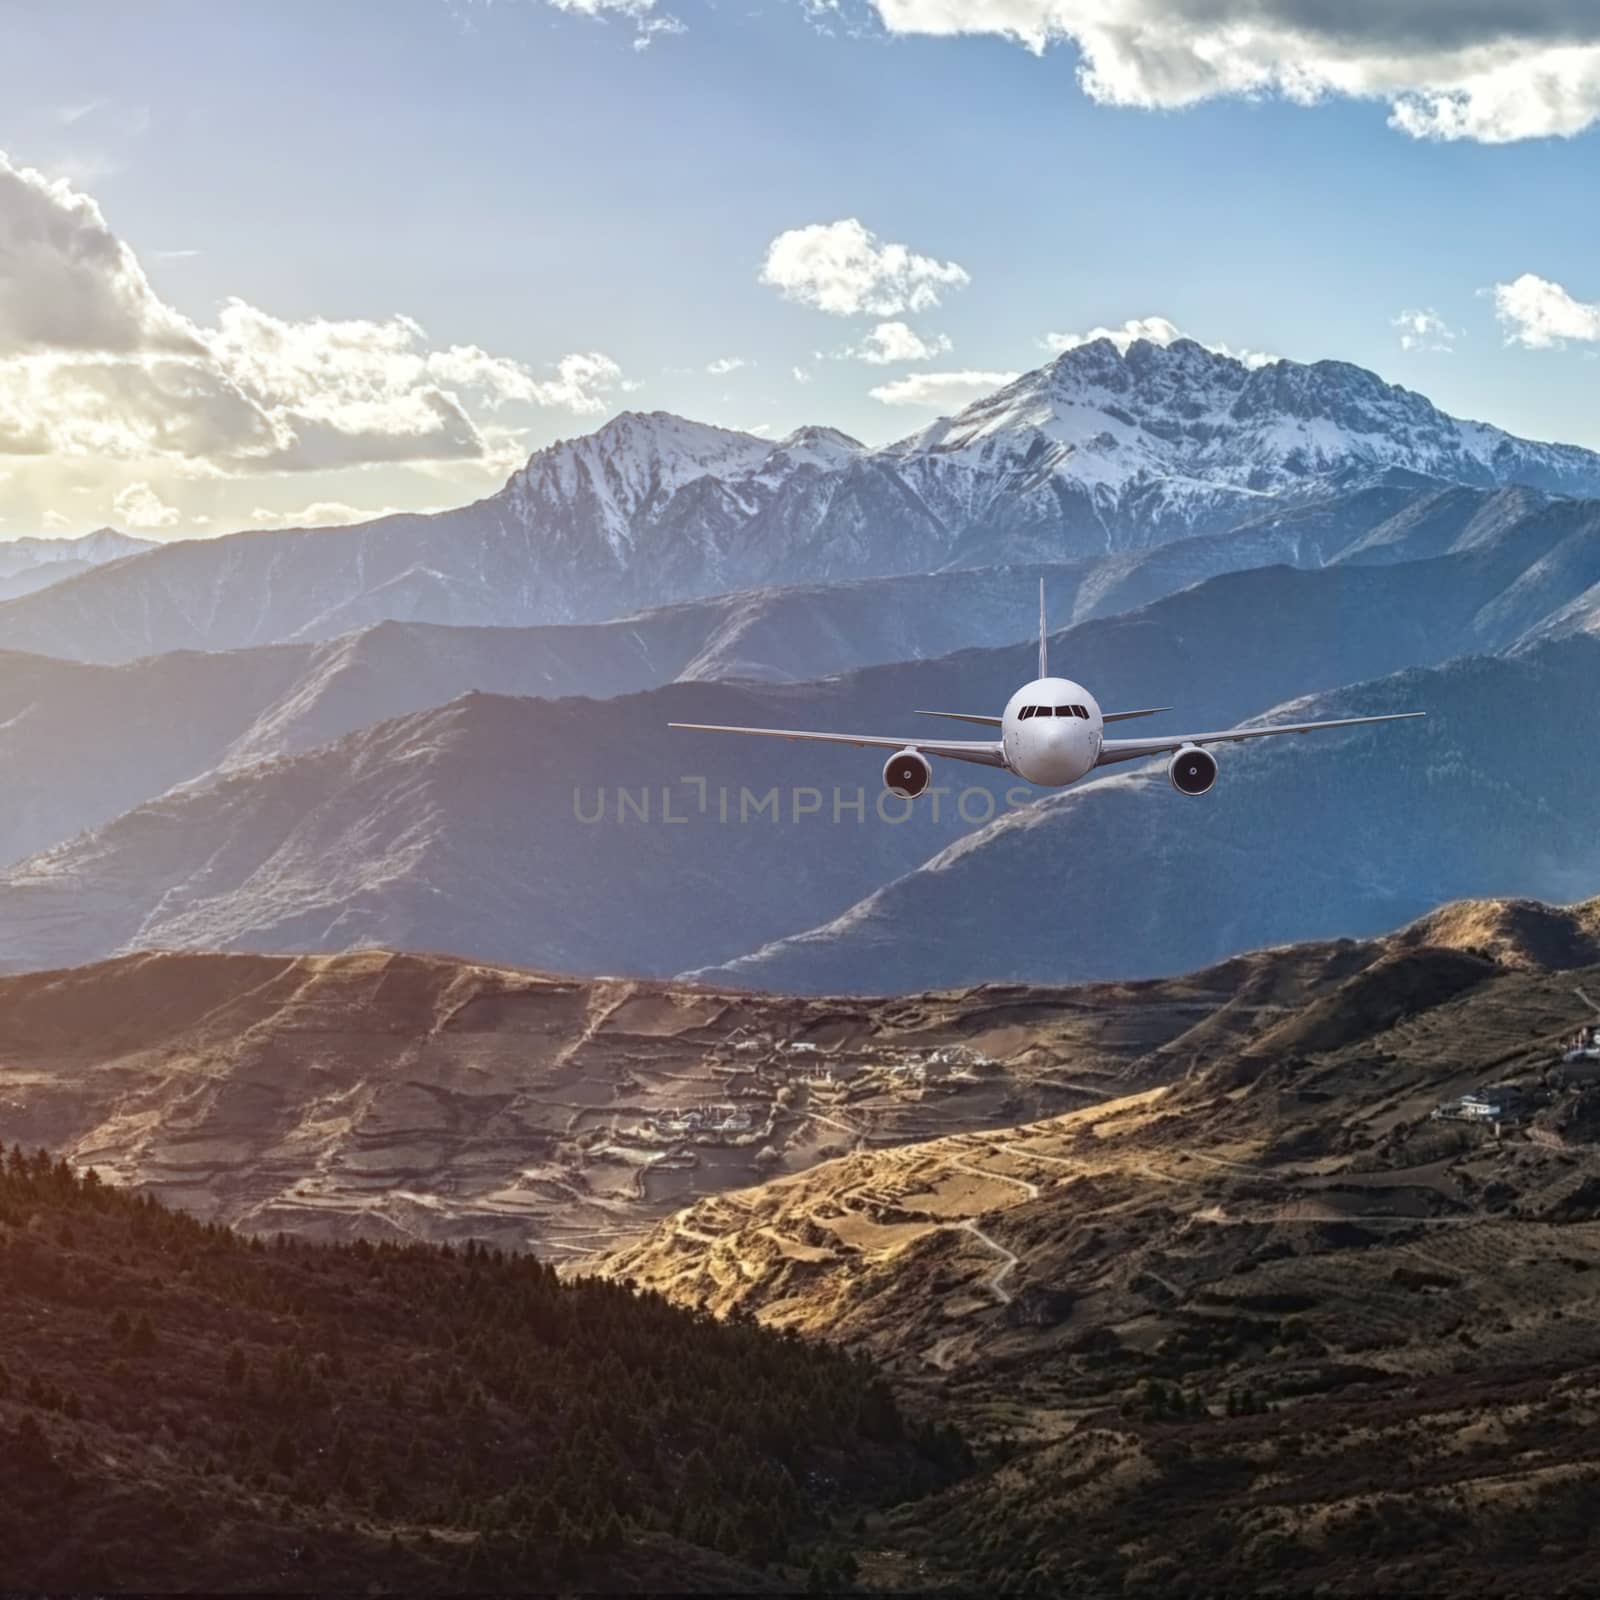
<point x="1193" y="770"/>
<point x="907" y="773"/>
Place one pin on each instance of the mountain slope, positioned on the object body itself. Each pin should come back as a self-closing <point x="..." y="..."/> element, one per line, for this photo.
<point x="28" y="565"/>
<point x="1096" y="453"/>
<point x="165" y="720"/>
<point x="1493" y="794"/>
<point x="498" y="828"/>
<point x="1273" y="1320"/>
<point x="1294" y="1051"/>
<point x="397" y="1097"/>
<point x="28" y="554"/>
<point x="415" y="1420"/>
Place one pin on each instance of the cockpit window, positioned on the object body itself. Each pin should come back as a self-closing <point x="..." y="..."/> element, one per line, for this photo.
<point x="1024" y="713"/>
<point x="1063" y="711"/>
<point x="1082" y="711"/>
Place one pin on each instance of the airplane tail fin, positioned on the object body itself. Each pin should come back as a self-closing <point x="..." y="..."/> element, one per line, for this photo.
<point x="1044" y="654"/>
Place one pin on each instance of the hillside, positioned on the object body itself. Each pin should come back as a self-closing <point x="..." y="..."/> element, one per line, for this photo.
<point x="1187" y="1262"/>
<point x="28" y="565"/>
<point x="1269" y="1320"/>
<point x="400" y="1098"/>
<point x="220" y="1416"/>
<point x="1098" y="452"/>
<point x="496" y="828"/>
<point x="174" y="718"/>
<point x="1494" y="794"/>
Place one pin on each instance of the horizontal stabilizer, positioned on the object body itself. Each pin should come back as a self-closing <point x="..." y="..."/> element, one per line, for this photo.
<point x="1127" y="716"/>
<point x="962" y="716"/>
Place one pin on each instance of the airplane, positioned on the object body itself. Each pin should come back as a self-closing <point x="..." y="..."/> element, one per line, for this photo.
<point x="1052" y="733"/>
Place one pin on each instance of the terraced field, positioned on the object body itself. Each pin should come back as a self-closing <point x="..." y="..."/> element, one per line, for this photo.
<point x="1277" y="1261"/>
<point x="418" y="1097"/>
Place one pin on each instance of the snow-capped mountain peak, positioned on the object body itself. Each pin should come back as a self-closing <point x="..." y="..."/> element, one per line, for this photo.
<point x="81" y="552"/>
<point x="647" y="451"/>
<point x="1182" y="422"/>
<point x="630" y="467"/>
<point x="1100" y="450"/>
<point x="815" y="446"/>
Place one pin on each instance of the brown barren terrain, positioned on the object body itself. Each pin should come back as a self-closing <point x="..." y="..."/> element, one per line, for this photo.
<point x="414" y="1097"/>
<point x="1269" y="1316"/>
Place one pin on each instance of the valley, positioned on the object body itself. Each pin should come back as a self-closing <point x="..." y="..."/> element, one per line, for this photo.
<point x="1131" y="1239"/>
<point x="1278" y="1272"/>
<point x="398" y="1097"/>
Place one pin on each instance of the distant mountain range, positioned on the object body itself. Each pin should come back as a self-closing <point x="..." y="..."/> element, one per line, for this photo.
<point x="175" y="718"/>
<point x="1096" y="453"/>
<point x="462" y="828"/>
<point x="30" y="564"/>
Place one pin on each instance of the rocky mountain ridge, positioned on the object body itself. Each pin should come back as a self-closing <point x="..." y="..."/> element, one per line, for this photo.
<point x="1098" y="452"/>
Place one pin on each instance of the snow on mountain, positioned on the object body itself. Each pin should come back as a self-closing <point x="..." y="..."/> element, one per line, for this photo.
<point x="85" y="551"/>
<point x="628" y="470"/>
<point x="1099" y="452"/>
<point x="1159" y="437"/>
<point x="827" y="448"/>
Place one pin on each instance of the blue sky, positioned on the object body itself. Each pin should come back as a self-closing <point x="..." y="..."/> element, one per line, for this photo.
<point x="522" y="180"/>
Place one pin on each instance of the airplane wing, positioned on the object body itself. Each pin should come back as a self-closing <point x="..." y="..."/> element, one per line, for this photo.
<point x="1133" y="749"/>
<point x="986" y="752"/>
<point x="963" y="716"/>
<point x="1128" y="716"/>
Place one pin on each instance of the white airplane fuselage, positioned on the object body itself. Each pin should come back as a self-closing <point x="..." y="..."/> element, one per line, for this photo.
<point x="1051" y="732"/>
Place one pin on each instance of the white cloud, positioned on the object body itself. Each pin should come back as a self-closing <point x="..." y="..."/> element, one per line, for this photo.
<point x="1491" y="70"/>
<point x="897" y="341"/>
<point x="941" y="389"/>
<point x="319" y="514"/>
<point x="725" y="364"/>
<point x="54" y="521"/>
<point x="1422" y="328"/>
<point x="650" y="29"/>
<point x="1541" y="315"/>
<point x="581" y="383"/>
<point x="68" y="283"/>
<point x="93" y="364"/>
<point x="139" y="506"/>
<point x="648" y="23"/>
<point x="1158" y="330"/>
<point x="843" y="268"/>
<point x="801" y="375"/>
